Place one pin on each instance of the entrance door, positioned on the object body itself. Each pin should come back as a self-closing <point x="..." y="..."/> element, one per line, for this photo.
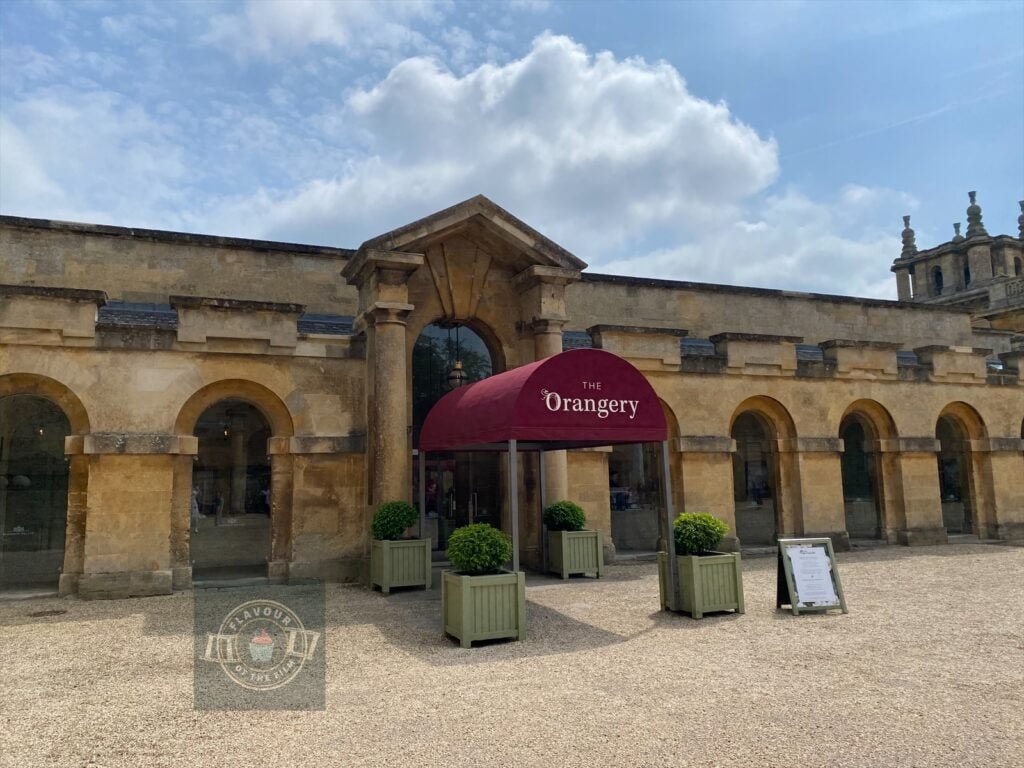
<point x="461" y="488"/>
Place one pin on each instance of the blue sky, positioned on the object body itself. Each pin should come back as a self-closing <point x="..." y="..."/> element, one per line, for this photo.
<point x="768" y="144"/>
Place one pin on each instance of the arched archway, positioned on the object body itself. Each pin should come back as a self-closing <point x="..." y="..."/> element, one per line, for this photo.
<point x="42" y="490"/>
<point x="959" y="424"/>
<point x="232" y="500"/>
<point x="33" y="491"/>
<point x="636" y="483"/>
<point x="758" y="425"/>
<point x="460" y="487"/>
<point x="863" y="425"/>
<point x="231" y="487"/>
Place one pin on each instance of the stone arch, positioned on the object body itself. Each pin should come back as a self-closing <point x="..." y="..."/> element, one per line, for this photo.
<point x="869" y="471"/>
<point x="281" y="424"/>
<point x="938" y="282"/>
<point x="267" y="402"/>
<point x="766" y="489"/>
<point x="53" y="390"/>
<point x="78" y="468"/>
<point x="964" y="471"/>
<point x="968" y="418"/>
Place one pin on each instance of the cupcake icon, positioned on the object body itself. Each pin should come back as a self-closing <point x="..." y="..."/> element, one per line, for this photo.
<point x="261" y="647"/>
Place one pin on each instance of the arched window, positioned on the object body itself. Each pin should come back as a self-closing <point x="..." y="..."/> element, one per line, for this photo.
<point x="913" y="283"/>
<point x="1018" y="267"/>
<point x="937" y="280"/>
<point x="967" y="274"/>
<point x="459" y="487"/>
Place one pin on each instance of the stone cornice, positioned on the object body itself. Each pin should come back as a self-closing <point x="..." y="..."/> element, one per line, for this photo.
<point x="47" y="292"/>
<point x="537" y="274"/>
<point x="242" y="305"/>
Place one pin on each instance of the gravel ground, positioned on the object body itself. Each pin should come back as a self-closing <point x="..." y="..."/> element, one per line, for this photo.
<point x="927" y="669"/>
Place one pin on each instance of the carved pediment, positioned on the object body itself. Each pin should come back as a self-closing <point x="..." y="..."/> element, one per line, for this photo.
<point x="486" y="226"/>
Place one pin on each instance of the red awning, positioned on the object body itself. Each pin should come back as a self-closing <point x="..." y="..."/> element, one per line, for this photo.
<point x="577" y="399"/>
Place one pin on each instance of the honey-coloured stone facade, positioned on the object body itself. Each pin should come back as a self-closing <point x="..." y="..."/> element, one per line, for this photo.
<point x="135" y="334"/>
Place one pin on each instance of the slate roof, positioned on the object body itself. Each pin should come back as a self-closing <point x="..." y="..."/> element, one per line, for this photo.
<point x="696" y="347"/>
<point x="576" y="340"/>
<point x="126" y="314"/>
<point x="335" y="325"/>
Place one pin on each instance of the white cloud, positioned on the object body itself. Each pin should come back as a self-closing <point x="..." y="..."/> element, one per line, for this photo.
<point x="278" y="28"/>
<point x="91" y="157"/>
<point x="792" y="243"/>
<point x="597" y="152"/>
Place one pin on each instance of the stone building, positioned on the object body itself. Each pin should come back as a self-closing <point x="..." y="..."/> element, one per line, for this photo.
<point x="978" y="272"/>
<point x="178" y="407"/>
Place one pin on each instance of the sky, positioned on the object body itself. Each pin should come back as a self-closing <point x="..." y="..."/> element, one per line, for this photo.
<point x="771" y="144"/>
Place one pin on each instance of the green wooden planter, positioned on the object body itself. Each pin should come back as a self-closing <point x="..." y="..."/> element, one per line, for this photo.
<point x="572" y="552"/>
<point x="706" y="583"/>
<point x="402" y="563"/>
<point x="483" y="607"/>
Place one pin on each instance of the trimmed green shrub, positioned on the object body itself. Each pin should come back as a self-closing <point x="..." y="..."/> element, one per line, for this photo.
<point x="564" y="516"/>
<point x="698" y="532"/>
<point x="392" y="518"/>
<point x="478" y="549"/>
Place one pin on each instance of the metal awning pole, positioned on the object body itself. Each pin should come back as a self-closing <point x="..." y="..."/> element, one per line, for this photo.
<point x="423" y="493"/>
<point x="543" y="506"/>
<point x="667" y="533"/>
<point x="513" y="503"/>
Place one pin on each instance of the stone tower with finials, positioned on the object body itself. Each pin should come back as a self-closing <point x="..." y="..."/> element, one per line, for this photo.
<point x="979" y="272"/>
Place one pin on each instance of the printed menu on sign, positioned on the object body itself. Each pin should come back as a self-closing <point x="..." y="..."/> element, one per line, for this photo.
<point x="812" y="575"/>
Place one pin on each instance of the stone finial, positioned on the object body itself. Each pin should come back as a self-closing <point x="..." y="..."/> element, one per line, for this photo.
<point x="974" y="226"/>
<point x="909" y="243"/>
<point x="957" y="237"/>
<point x="1020" y="221"/>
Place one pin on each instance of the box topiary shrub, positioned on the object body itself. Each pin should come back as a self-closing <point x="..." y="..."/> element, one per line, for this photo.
<point x="392" y="518"/>
<point x="478" y="549"/>
<point x="564" y="516"/>
<point x="698" y="532"/>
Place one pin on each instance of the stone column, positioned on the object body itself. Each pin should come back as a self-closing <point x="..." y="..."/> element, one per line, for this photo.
<point x="389" y="440"/>
<point x="382" y="278"/>
<point x="707" y="482"/>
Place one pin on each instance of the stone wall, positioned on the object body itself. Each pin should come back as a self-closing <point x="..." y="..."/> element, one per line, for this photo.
<point x="149" y="266"/>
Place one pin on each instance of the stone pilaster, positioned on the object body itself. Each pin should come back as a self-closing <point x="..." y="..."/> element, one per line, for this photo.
<point x="821" y="487"/>
<point x="911" y="472"/>
<point x="707" y="482"/>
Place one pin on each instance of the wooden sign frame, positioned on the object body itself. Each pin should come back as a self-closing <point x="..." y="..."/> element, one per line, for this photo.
<point x="786" y="587"/>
